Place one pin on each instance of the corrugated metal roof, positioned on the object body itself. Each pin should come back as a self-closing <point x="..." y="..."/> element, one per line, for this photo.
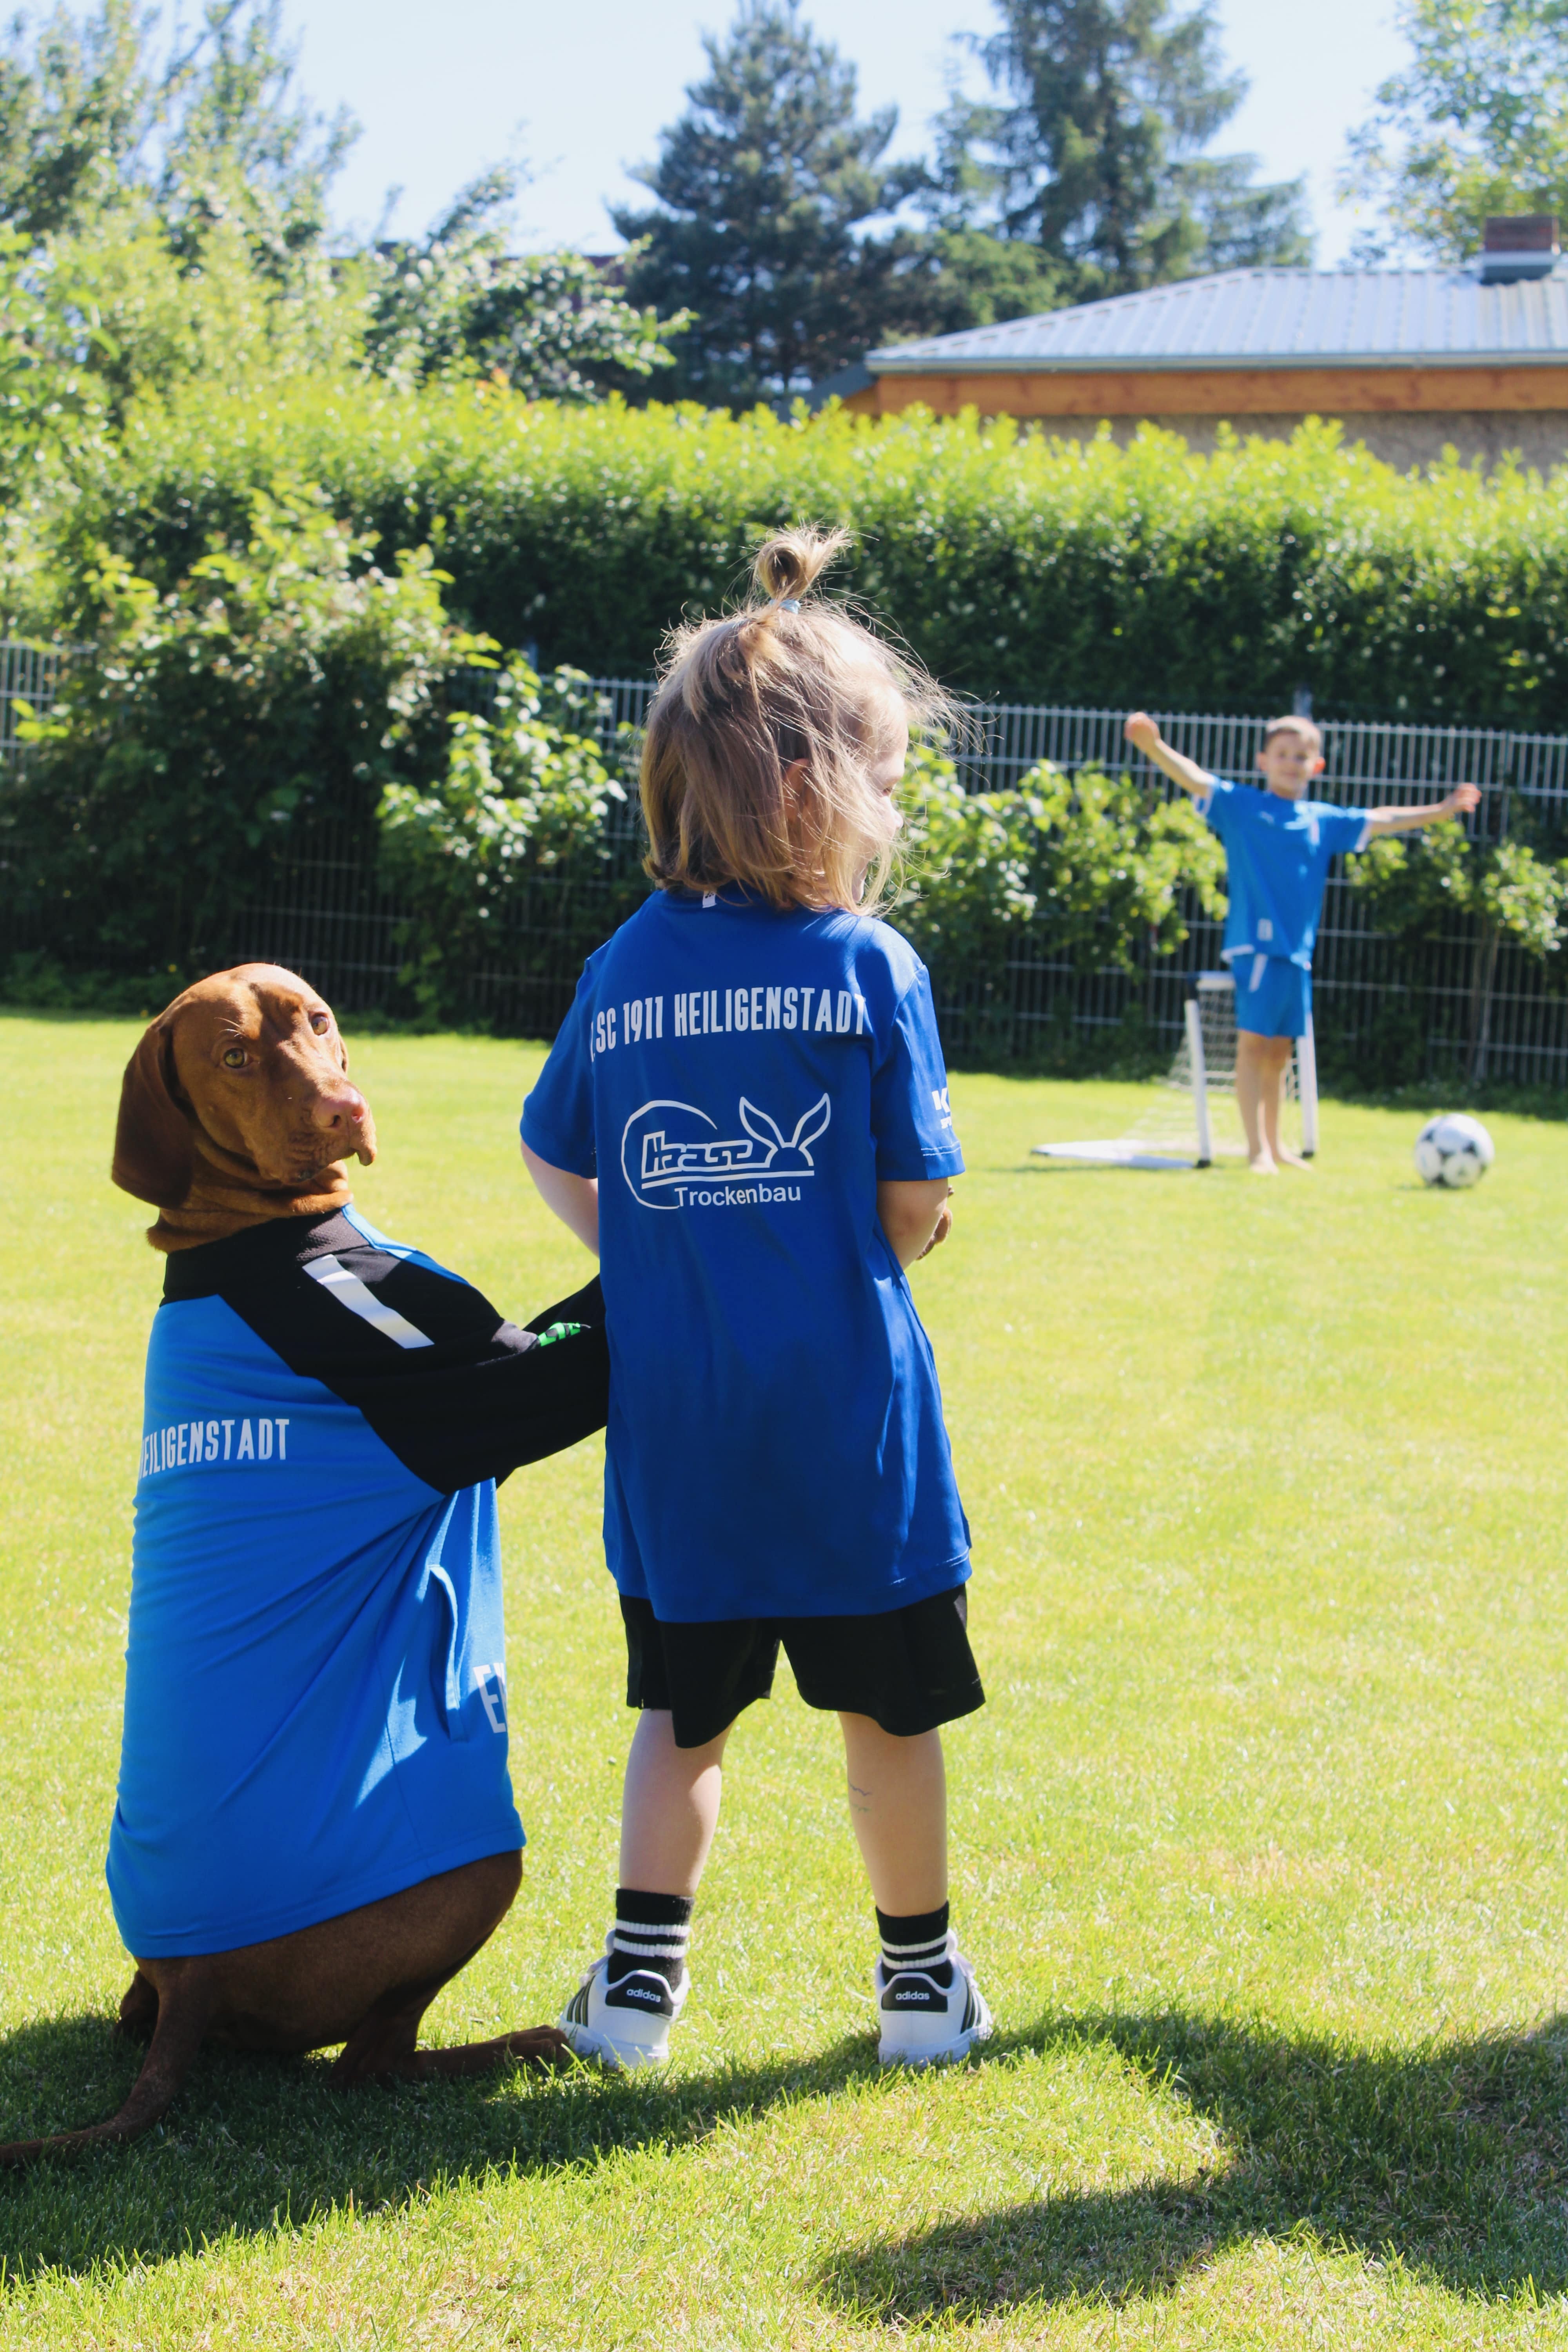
<point x="1271" y="318"/>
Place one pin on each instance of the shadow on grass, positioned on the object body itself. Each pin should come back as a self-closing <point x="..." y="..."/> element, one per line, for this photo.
<point x="254" y="2144"/>
<point x="1452" y="2160"/>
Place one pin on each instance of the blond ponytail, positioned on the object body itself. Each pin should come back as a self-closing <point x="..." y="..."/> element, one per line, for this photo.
<point x="762" y="735"/>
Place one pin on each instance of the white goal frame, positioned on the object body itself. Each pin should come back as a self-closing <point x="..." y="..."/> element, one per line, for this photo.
<point x="1159" y="1140"/>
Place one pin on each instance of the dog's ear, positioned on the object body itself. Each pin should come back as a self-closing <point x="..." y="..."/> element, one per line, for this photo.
<point x="153" y="1155"/>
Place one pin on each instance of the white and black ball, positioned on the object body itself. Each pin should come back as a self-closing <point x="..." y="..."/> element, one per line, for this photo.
<point x="1453" y="1149"/>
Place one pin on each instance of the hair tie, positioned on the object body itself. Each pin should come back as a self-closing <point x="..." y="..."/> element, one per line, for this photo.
<point x="789" y="604"/>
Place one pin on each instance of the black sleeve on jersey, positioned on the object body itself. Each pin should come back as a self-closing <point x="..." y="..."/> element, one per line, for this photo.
<point x="479" y="1399"/>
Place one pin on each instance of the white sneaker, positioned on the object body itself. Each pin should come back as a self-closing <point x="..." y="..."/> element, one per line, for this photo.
<point x="626" y="2023"/>
<point x="925" y="2025"/>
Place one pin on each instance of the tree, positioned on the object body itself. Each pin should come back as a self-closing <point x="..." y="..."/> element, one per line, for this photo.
<point x="241" y="142"/>
<point x="1476" y="123"/>
<point x="76" y="104"/>
<point x="460" y="303"/>
<point x="949" y="276"/>
<point x="760" y="186"/>
<point x="168" y="224"/>
<point x="1091" y="148"/>
<point x="82" y="106"/>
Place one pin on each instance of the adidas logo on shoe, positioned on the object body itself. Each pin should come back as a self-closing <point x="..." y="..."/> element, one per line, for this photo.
<point x="641" y="1991"/>
<point x="925" y="2025"/>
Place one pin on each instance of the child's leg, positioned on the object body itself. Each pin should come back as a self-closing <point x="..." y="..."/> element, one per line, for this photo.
<point x="622" y="2012"/>
<point x="670" y="1807"/>
<point x="898" y="1804"/>
<point x="1260" y="1066"/>
<point x="1274" y="1105"/>
<point x="929" y="2006"/>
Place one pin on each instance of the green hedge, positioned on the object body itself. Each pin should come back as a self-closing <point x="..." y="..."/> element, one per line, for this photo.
<point x="206" y="730"/>
<point x="1016" y="566"/>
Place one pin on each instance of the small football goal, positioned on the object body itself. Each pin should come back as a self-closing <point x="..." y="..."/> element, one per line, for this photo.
<point x="1194" y="1119"/>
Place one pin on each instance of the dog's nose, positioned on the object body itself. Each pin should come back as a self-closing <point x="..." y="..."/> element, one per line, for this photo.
<point x="335" y="1107"/>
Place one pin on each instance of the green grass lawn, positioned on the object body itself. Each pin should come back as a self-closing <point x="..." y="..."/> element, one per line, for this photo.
<point x="1258" y="1845"/>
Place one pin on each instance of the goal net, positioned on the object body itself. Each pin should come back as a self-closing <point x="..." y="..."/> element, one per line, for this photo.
<point x="1195" y="1118"/>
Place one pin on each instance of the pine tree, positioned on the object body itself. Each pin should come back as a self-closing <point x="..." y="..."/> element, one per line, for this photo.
<point x="762" y="185"/>
<point x="1091" y="148"/>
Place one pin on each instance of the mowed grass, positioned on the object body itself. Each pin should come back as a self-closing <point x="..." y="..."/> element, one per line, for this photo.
<point x="1258" y="1845"/>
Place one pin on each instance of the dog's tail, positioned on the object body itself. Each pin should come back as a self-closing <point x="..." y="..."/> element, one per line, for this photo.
<point x="182" y="2017"/>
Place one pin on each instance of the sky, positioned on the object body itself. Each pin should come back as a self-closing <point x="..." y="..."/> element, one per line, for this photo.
<point x="581" y="93"/>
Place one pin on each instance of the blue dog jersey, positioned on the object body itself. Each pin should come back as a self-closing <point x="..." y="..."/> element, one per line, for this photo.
<point x="739" y="1080"/>
<point x="1278" y="854"/>
<point x="315" y="1699"/>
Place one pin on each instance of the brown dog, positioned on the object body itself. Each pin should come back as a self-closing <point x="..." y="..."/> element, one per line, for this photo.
<point x="236" y="1117"/>
<point x="237" y="1105"/>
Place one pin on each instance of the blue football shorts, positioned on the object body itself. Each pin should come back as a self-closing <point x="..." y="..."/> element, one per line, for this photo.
<point x="1273" y="996"/>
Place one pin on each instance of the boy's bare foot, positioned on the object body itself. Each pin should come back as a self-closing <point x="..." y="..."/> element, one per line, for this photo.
<point x="1294" y="1160"/>
<point x="1262" y="1164"/>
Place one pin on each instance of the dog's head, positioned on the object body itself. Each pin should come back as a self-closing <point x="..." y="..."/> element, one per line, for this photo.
<point x="236" y="1107"/>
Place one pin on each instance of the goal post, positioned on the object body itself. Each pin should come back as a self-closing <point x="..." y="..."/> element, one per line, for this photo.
<point x="1199" y="1065"/>
<point x="1196" y="1119"/>
<point x="1307" y="1087"/>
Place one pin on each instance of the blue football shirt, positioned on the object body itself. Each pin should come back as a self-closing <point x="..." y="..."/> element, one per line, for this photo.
<point x="739" y="1080"/>
<point x="316" y="1680"/>
<point x="1278" y="854"/>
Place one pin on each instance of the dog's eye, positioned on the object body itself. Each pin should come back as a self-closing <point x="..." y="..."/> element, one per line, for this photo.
<point x="320" y="1023"/>
<point x="234" y="1058"/>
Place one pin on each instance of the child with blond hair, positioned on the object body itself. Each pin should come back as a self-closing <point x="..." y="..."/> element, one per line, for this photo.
<point x="1279" y="847"/>
<point x="746" y="1114"/>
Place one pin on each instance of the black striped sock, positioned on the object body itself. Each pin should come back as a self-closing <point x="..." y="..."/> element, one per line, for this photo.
<point x="651" y="1932"/>
<point x="917" y="1942"/>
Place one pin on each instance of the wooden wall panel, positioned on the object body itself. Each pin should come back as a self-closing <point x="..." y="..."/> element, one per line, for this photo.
<point x="1222" y="392"/>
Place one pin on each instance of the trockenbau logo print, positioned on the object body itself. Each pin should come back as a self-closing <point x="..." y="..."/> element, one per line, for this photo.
<point x="673" y="1156"/>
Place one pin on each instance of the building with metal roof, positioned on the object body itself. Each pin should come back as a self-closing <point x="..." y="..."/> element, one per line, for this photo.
<point x="1410" y="360"/>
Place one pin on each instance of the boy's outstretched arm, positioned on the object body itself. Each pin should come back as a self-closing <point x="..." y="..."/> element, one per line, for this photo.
<point x="1145" y="736"/>
<point x="574" y="1199"/>
<point x="1458" y="803"/>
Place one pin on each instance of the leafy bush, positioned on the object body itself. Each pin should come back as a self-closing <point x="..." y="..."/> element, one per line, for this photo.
<point x="1502" y="892"/>
<point x="526" y="800"/>
<point x="208" y="727"/>
<point x="1090" y="870"/>
<point x="1016" y="565"/>
<point x="1094" y="866"/>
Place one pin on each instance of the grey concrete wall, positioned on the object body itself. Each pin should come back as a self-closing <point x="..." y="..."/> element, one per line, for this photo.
<point x="1539" y="436"/>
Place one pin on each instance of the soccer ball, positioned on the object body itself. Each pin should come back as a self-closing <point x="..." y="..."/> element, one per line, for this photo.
<point x="1453" y="1149"/>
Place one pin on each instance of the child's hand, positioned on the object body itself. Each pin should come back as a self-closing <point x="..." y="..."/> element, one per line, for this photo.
<point x="1141" y="732"/>
<point x="1462" y="798"/>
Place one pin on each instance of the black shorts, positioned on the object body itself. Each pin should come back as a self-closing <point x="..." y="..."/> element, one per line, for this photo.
<point x="909" y="1669"/>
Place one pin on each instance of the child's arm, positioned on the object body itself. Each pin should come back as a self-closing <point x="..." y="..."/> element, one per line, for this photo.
<point x="915" y="1216"/>
<point x="574" y="1199"/>
<point x="1145" y="736"/>
<point x="1463" y="798"/>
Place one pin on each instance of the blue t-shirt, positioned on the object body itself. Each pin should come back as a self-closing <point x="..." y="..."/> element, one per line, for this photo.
<point x="1278" y="854"/>
<point x="739" y="1080"/>
<point x="316" y="1684"/>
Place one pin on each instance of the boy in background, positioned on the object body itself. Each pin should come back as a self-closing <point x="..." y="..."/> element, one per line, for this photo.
<point x="1279" y="847"/>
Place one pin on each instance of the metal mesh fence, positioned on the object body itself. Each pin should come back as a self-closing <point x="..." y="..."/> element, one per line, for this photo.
<point x="323" y="907"/>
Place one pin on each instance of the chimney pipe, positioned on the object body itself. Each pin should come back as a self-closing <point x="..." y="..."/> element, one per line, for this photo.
<point x="1518" y="245"/>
